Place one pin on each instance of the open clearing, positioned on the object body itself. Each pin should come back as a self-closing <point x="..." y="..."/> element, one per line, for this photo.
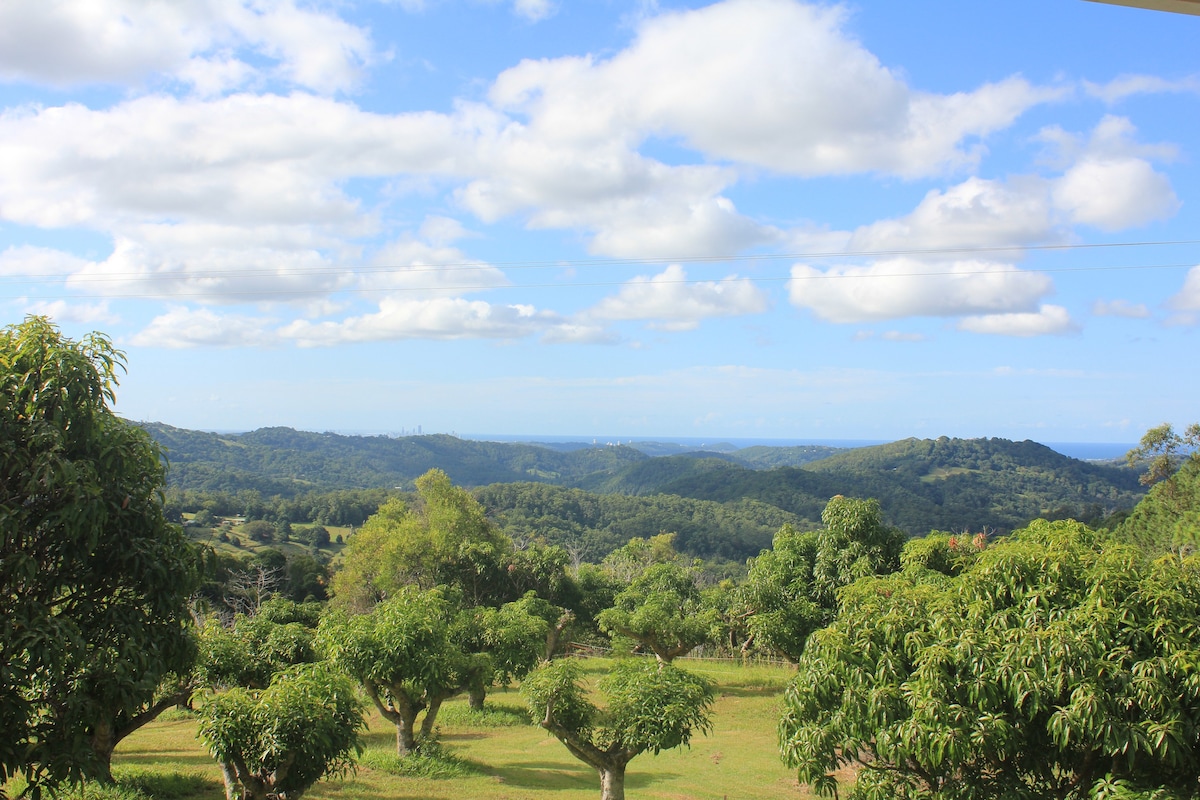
<point x="501" y="756"/>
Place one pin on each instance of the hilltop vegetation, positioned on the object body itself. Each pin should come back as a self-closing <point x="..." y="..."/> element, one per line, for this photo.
<point x="593" y="499"/>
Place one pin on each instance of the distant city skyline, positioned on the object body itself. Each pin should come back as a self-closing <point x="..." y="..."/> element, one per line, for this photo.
<point x="748" y="219"/>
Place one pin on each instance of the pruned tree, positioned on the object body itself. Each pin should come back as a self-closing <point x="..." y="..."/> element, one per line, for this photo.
<point x="275" y="743"/>
<point x="662" y="609"/>
<point x="402" y="655"/>
<point x="650" y="707"/>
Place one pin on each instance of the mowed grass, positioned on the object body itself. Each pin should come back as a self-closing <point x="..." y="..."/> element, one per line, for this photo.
<point x="500" y="755"/>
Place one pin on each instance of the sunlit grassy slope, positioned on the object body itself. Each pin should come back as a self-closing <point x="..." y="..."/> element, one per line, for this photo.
<point x="504" y="757"/>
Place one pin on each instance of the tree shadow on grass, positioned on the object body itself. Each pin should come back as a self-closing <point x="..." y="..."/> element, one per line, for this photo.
<point x="752" y="691"/>
<point x="552" y="775"/>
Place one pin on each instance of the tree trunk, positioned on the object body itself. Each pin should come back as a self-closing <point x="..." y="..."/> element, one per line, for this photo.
<point x="612" y="782"/>
<point x="435" y="705"/>
<point x="406" y="740"/>
<point x="104" y="741"/>
<point x="476" y="696"/>
<point x="231" y="781"/>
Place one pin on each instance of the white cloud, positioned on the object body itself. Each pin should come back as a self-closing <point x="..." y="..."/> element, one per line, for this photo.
<point x="38" y="262"/>
<point x="1048" y="320"/>
<point x="772" y="83"/>
<point x="81" y="313"/>
<point x="438" y="318"/>
<point x="973" y="214"/>
<point x="210" y="43"/>
<point x="905" y="287"/>
<point x="1112" y="185"/>
<point x="1125" y="86"/>
<point x="672" y="302"/>
<point x="240" y="160"/>
<point x="534" y="10"/>
<point x="1120" y="308"/>
<point x="1188" y="298"/>
<point x="183" y="327"/>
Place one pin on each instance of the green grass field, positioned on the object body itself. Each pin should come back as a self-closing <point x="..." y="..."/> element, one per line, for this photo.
<point x="499" y="755"/>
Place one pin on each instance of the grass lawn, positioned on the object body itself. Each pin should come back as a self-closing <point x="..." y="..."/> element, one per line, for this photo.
<point x="501" y="756"/>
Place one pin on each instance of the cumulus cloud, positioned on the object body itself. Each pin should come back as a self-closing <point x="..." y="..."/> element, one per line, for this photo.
<point x="438" y="318"/>
<point x="209" y="43"/>
<point x="183" y="327"/>
<point x="973" y="214"/>
<point x="80" y="313"/>
<point x="905" y="287"/>
<point x="1120" y="308"/>
<point x="1112" y="185"/>
<point x="672" y="302"/>
<point x="1047" y="320"/>
<point x="245" y="159"/>
<point x="1188" y="298"/>
<point x="749" y="81"/>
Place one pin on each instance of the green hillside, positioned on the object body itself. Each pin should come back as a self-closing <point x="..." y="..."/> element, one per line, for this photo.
<point x="595" y="498"/>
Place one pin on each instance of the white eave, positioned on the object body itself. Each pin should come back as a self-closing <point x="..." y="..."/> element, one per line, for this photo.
<point x="1178" y="6"/>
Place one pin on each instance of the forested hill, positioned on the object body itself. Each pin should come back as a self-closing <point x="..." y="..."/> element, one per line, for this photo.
<point x="286" y="461"/>
<point x="946" y="484"/>
<point x="922" y="484"/>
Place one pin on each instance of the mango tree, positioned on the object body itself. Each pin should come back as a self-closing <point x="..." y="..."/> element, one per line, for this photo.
<point x="94" y="580"/>
<point x="1058" y="664"/>
<point x="649" y="707"/>
<point x="275" y="743"/>
<point x="403" y="656"/>
<point x="662" y="609"/>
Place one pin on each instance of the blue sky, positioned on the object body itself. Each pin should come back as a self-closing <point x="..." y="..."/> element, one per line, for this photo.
<point x="751" y="218"/>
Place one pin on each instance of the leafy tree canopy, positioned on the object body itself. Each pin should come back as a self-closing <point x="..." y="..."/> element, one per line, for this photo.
<point x="1057" y="665"/>
<point x="278" y="742"/>
<point x="93" y="579"/>
<point x="649" y="708"/>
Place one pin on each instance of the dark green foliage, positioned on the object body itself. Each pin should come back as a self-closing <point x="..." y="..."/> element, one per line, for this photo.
<point x="1168" y="518"/>
<point x="254" y="649"/>
<point x="280" y="741"/>
<point x="650" y="707"/>
<point x="93" y="579"/>
<point x="286" y="462"/>
<point x="663" y="611"/>
<point x="403" y="656"/>
<point x="594" y="525"/>
<point x="1056" y="665"/>
<point x="258" y="530"/>
<point x="792" y="589"/>
<point x="722" y="505"/>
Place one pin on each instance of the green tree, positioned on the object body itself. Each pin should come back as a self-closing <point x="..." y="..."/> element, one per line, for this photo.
<point x="777" y="597"/>
<point x="1167" y="520"/>
<point x="403" y="656"/>
<point x="93" y="579"/>
<point x="662" y="609"/>
<point x="444" y="538"/>
<point x="1162" y="451"/>
<point x="792" y="589"/>
<point x="649" y="708"/>
<point x="275" y="743"/>
<point x="1057" y="665"/>
<point x="251" y="651"/>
